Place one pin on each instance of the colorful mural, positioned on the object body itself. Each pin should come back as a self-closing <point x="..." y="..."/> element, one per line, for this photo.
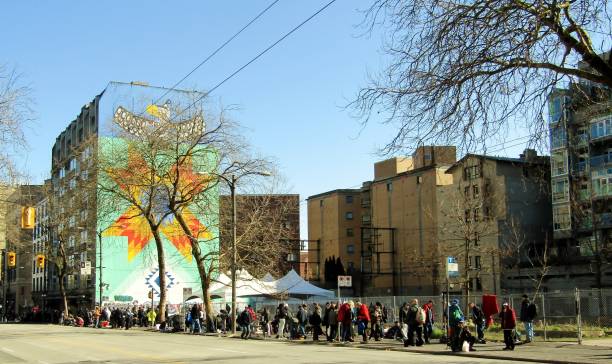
<point x="128" y="247"/>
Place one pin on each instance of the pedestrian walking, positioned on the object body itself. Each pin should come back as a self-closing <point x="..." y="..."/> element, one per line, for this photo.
<point x="508" y="324"/>
<point x="315" y="321"/>
<point x="302" y="317"/>
<point x="282" y="313"/>
<point x="195" y="319"/>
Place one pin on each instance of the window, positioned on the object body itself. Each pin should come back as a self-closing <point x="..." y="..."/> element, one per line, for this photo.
<point x="471" y="172"/>
<point x="71" y="241"/>
<point x="601" y="128"/>
<point x="466" y="191"/>
<point x="349" y="215"/>
<point x="477" y="285"/>
<point x="83" y="236"/>
<point x="467" y="216"/>
<point x="560" y="191"/>
<point x="558" y="163"/>
<point x="349" y="232"/>
<point x="349" y="199"/>
<point x="477" y="214"/>
<point x="558" y="137"/>
<point x="419" y="180"/>
<point x="72" y="222"/>
<point x="476" y="190"/>
<point x="72" y="183"/>
<point x="389" y="186"/>
<point x="350" y="249"/>
<point x="477" y="262"/>
<point x="561" y="217"/>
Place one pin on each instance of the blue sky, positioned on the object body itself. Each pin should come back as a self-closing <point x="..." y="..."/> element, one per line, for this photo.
<point x="290" y="100"/>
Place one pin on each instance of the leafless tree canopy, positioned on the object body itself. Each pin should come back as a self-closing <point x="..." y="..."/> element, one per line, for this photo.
<point x="15" y="113"/>
<point x="461" y="70"/>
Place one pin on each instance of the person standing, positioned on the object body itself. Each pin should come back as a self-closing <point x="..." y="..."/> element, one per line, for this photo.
<point x="376" y="326"/>
<point x="508" y="324"/>
<point x="478" y="317"/>
<point x="455" y="317"/>
<point x="528" y="314"/>
<point x="363" y="318"/>
<point x="151" y="316"/>
<point x="429" y="320"/>
<point x="195" y="319"/>
<point x="333" y="322"/>
<point x="326" y="318"/>
<point x="281" y="312"/>
<point x="245" y="323"/>
<point x="264" y="320"/>
<point x="345" y="318"/>
<point x="302" y="317"/>
<point x="416" y="319"/>
<point x="315" y="322"/>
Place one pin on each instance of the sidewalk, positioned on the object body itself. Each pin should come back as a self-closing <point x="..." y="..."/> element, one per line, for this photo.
<point x="540" y="352"/>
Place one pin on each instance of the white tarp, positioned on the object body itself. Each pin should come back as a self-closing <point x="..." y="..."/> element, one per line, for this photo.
<point x="292" y="284"/>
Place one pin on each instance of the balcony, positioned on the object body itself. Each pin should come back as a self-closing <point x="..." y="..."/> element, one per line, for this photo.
<point x="584" y="195"/>
<point x="601" y="160"/>
<point x="582" y="169"/>
<point x="602" y="191"/>
<point x="603" y="220"/>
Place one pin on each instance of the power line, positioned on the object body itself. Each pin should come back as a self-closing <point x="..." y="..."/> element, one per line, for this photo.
<point x="255" y="58"/>
<point x="173" y="88"/>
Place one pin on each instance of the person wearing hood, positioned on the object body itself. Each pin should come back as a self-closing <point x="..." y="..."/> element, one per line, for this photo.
<point x="455" y="317"/>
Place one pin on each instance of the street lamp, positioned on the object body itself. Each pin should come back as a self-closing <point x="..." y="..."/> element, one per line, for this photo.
<point x="232" y="185"/>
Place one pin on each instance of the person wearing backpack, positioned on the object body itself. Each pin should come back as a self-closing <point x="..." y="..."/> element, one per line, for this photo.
<point x="528" y="314"/>
<point x="455" y="317"/>
<point x="416" y="320"/>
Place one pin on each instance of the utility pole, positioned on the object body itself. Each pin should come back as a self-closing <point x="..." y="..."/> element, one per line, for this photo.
<point x="100" y="267"/>
<point x="233" y="194"/>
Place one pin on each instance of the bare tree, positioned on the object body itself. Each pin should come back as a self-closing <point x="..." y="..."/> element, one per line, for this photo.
<point x="210" y="162"/>
<point x="529" y="258"/>
<point x="461" y="71"/>
<point x="470" y="233"/>
<point x="129" y="170"/>
<point x="15" y="114"/>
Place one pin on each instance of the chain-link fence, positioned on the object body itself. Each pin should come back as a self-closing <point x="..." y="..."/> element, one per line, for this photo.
<point x="565" y="315"/>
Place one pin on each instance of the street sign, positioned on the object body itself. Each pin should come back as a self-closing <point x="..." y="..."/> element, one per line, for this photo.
<point x="452" y="267"/>
<point x="345" y="281"/>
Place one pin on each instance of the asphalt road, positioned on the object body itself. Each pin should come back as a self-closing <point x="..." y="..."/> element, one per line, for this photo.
<point x="47" y="344"/>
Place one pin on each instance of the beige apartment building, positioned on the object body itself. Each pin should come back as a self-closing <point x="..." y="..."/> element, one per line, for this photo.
<point x="334" y="221"/>
<point x="419" y="210"/>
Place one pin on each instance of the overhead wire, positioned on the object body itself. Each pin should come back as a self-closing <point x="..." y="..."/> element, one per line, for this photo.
<point x="217" y="50"/>
<point x="266" y="50"/>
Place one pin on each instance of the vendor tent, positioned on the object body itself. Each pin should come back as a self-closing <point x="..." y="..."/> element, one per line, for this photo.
<point x="246" y="286"/>
<point x="293" y="285"/>
<point x="268" y="278"/>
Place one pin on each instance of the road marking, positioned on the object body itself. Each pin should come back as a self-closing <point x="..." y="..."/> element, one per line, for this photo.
<point x="229" y="351"/>
<point x="8" y="350"/>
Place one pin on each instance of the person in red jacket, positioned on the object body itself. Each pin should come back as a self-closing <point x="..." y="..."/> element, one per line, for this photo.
<point x="363" y="318"/>
<point x="508" y="324"/>
<point x="345" y="318"/>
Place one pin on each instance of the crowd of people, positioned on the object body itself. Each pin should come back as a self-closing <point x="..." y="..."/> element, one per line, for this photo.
<point x="334" y="322"/>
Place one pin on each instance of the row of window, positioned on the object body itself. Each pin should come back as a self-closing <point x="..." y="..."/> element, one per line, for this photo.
<point x="601" y="128"/>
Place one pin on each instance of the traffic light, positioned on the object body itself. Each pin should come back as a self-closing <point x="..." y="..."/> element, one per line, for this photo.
<point x="12" y="259"/>
<point x="28" y="217"/>
<point x="151" y="294"/>
<point x="40" y="261"/>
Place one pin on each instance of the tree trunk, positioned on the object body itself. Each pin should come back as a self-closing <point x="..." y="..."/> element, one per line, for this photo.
<point x="161" y="262"/>
<point x="62" y="290"/>
<point x="205" y="275"/>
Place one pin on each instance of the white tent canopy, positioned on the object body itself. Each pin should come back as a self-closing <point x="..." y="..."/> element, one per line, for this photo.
<point x="268" y="278"/>
<point x="246" y="285"/>
<point x="292" y="284"/>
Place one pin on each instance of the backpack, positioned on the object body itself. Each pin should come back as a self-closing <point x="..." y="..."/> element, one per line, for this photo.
<point x="420" y="316"/>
